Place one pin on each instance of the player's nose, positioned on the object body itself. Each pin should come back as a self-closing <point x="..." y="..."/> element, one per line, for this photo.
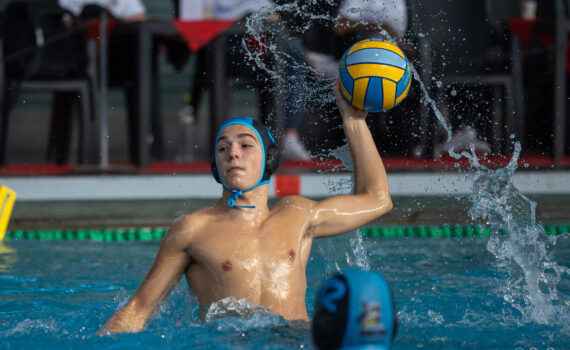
<point x="234" y="151"/>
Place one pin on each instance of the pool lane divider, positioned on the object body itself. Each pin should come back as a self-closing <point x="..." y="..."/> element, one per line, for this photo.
<point x="150" y="234"/>
<point x="104" y="235"/>
<point x="448" y="231"/>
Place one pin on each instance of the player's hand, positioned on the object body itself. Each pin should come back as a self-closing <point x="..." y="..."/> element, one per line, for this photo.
<point x="347" y="111"/>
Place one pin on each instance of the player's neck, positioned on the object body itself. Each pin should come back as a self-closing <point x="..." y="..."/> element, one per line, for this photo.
<point x="256" y="198"/>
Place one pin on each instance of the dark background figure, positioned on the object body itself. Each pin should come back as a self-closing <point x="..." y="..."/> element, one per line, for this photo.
<point x="240" y="66"/>
<point x="472" y="49"/>
<point x="395" y="129"/>
<point x="337" y="25"/>
<point x="122" y="60"/>
<point x="538" y="66"/>
<point x="469" y="37"/>
<point x="235" y="58"/>
<point x="64" y="58"/>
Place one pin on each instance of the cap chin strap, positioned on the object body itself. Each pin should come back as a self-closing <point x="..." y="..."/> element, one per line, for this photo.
<point x="237" y="193"/>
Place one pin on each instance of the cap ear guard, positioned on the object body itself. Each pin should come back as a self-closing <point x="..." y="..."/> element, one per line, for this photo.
<point x="273" y="158"/>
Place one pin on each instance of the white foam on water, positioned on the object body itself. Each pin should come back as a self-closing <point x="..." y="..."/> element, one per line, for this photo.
<point x="231" y="314"/>
<point x="414" y="318"/>
<point x="29" y="326"/>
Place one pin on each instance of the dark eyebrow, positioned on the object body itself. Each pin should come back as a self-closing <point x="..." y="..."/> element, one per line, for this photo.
<point x="223" y="138"/>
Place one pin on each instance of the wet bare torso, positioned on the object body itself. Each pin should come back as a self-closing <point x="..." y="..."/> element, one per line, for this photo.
<point x="262" y="261"/>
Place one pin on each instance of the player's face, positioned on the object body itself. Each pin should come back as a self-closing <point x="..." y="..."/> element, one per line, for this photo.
<point x="239" y="157"/>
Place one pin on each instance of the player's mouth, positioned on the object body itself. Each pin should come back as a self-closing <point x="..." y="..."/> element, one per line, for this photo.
<point x="235" y="169"/>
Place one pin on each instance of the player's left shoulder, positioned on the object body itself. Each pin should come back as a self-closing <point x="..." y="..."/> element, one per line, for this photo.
<point x="292" y="216"/>
<point x="294" y="202"/>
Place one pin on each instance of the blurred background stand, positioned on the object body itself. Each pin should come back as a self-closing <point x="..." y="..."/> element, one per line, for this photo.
<point x="44" y="51"/>
<point x="562" y="29"/>
<point x="544" y="39"/>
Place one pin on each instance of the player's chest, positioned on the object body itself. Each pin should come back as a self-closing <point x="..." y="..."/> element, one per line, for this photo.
<point x="231" y="248"/>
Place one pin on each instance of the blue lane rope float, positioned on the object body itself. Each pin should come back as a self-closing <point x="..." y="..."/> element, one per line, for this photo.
<point x="104" y="235"/>
<point x="448" y="231"/>
<point x="149" y="234"/>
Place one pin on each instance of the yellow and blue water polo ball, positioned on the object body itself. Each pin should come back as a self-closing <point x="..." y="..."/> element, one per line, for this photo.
<point x="375" y="75"/>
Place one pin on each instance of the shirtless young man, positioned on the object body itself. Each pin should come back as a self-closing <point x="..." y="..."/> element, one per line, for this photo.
<point x="239" y="247"/>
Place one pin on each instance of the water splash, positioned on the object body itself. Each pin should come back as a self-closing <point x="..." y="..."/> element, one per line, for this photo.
<point x="523" y="252"/>
<point x="273" y="34"/>
<point x="429" y="102"/>
<point x="533" y="277"/>
<point x="344" y="251"/>
<point x="531" y="286"/>
<point x="241" y="314"/>
<point x="356" y="256"/>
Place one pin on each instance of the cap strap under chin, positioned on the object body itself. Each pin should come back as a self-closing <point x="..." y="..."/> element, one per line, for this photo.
<point x="237" y="193"/>
<point x="232" y="201"/>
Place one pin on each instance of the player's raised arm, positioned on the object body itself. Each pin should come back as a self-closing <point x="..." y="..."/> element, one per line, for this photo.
<point x="371" y="197"/>
<point x="170" y="263"/>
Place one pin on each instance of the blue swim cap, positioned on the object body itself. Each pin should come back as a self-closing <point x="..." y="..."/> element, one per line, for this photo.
<point x="354" y="310"/>
<point x="271" y="156"/>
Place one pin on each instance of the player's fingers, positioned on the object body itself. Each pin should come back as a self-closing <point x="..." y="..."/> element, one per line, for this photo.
<point x="341" y="102"/>
<point x="344" y="106"/>
<point x="336" y="89"/>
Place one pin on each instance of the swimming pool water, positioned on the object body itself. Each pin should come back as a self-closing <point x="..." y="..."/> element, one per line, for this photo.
<point x="55" y="295"/>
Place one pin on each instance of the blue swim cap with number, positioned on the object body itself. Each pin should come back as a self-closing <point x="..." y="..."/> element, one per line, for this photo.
<point x="354" y="310"/>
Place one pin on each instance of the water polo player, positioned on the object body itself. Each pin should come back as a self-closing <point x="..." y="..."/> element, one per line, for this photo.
<point x="239" y="247"/>
<point x="354" y="310"/>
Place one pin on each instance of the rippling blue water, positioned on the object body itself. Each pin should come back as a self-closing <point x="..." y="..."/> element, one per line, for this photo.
<point x="55" y="294"/>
